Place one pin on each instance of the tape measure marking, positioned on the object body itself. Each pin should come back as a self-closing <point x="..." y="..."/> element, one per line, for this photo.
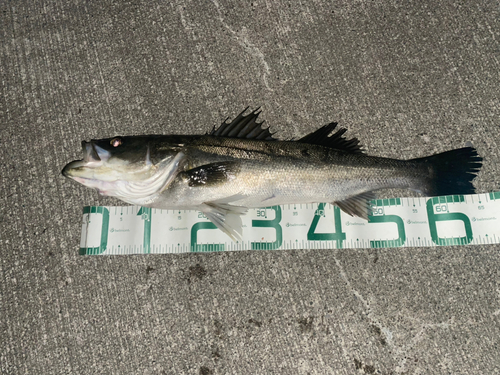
<point x="395" y="222"/>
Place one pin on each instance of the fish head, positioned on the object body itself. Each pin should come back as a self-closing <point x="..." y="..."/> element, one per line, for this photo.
<point x="122" y="167"/>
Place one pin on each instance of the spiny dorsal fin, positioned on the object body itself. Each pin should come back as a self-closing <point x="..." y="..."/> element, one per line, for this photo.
<point x="322" y="137"/>
<point x="244" y="126"/>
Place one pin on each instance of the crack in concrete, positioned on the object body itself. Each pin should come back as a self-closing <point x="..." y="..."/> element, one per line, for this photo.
<point x="188" y="26"/>
<point x="369" y="313"/>
<point x="400" y="351"/>
<point x="243" y="40"/>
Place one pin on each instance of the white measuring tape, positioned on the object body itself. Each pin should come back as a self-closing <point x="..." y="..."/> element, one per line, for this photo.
<point x="437" y="221"/>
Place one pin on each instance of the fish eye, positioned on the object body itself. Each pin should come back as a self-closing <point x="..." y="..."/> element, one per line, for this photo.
<point x="115" y="142"/>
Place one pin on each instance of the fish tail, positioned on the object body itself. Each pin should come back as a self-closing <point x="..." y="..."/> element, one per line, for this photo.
<point x="451" y="172"/>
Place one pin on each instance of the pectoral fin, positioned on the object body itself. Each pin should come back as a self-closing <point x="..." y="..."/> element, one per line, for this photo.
<point x="212" y="174"/>
<point x="226" y="217"/>
<point x="358" y="205"/>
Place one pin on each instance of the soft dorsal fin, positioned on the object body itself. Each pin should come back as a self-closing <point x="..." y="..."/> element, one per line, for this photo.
<point x="322" y="137"/>
<point x="244" y="126"/>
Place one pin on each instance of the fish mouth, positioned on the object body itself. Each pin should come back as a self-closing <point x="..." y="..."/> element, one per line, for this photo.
<point x="68" y="168"/>
<point x="93" y="156"/>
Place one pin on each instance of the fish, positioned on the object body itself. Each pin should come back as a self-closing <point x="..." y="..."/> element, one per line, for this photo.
<point x="240" y="165"/>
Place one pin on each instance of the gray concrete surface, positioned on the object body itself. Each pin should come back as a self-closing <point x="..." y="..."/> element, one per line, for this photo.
<point x="407" y="78"/>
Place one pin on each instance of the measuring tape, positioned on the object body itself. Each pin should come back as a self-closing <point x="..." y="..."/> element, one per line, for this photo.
<point x="397" y="222"/>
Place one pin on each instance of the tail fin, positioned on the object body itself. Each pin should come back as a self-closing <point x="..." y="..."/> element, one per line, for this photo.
<point x="451" y="172"/>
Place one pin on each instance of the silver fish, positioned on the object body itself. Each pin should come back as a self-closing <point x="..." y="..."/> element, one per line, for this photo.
<point x="240" y="165"/>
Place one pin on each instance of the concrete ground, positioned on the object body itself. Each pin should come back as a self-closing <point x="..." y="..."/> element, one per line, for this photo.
<point x="407" y="78"/>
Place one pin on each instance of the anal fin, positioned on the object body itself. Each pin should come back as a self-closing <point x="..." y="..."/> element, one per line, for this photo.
<point x="357" y="205"/>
